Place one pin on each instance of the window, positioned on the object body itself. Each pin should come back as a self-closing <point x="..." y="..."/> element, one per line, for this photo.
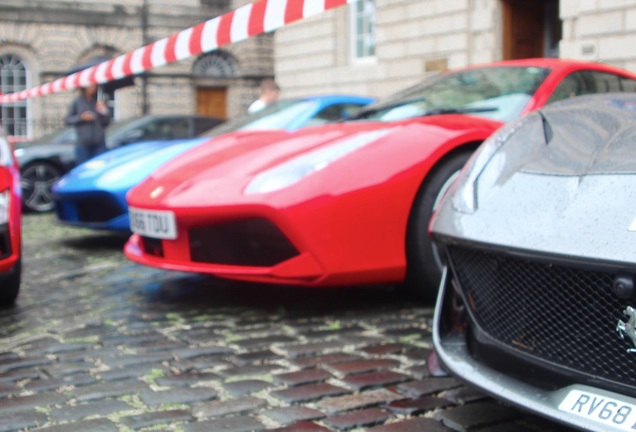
<point x="218" y="64"/>
<point x="363" y="28"/>
<point x="591" y="82"/>
<point x="13" y="78"/>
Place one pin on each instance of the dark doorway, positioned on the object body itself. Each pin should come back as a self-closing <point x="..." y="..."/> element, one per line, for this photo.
<point x="531" y="28"/>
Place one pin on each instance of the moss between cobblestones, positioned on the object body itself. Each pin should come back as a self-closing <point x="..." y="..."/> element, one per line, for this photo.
<point x="271" y="400"/>
<point x="134" y="400"/>
<point x="153" y="375"/>
<point x="334" y="325"/>
<point x="267" y="378"/>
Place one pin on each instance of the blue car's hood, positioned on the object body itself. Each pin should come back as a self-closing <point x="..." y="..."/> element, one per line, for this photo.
<point x="124" y="167"/>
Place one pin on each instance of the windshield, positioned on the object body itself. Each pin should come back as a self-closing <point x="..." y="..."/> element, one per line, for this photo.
<point x="278" y="115"/>
<point x="498" y="93"/>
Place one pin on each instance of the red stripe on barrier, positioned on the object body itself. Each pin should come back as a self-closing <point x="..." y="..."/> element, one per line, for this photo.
<point x="256" y="24"/>
<point x="126" y="64"/>
<point x="294" y="10"/>
<point x="171" y="54"/>
<point x="146" y="59"/>
<point x="334" y="3"/>
<point x="196" y="38"/>
<point x="108" y="74"/>
<point x="91" y="77"/>
<point x="73" y="82"/>
<point x="224" y="35"/>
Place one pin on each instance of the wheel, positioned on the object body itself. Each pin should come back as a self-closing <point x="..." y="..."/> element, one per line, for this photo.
<point x="36" y="181"/>
<point x="424" y="266"/>
<point x="10" y="285"/>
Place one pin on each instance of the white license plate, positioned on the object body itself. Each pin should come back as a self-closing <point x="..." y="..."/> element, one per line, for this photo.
<point x="601" y="409"/>
<point x="159" y="224"/>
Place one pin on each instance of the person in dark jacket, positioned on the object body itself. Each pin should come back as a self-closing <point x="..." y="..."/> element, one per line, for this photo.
<point x="90" y="118"/>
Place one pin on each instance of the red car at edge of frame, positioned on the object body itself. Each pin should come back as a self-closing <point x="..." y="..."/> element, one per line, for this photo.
<point x="10" y="224"/>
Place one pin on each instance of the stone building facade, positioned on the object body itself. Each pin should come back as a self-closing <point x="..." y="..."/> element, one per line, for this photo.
<point x="42" y="40"/>
<point x="416" y="38"/>
<point x="372" y="47"/>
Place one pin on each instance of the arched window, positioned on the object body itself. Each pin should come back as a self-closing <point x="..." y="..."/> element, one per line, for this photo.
<point x="13" y="78"/>
<point x="218" y="64"/>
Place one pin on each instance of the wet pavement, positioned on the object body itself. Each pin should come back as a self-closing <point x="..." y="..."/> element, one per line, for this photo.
<point x="97" y="343"/>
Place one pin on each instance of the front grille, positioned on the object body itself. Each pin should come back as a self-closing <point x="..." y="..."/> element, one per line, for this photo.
<point x="152" y="246"/>
<point x="558" y="314"/>
<point x="248" y="242"/>
<point x="5" y="242"/>
<point x="96" y="209"/>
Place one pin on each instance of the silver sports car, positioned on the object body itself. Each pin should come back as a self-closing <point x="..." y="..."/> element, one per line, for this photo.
<point x="537" y="304"/>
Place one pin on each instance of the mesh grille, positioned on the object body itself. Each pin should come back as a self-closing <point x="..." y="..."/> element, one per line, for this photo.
<point x="559" y="314"/>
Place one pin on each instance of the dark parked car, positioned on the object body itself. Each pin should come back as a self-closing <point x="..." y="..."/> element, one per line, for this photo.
<point x="537" y="305"/>
<point x="43" y="161"/>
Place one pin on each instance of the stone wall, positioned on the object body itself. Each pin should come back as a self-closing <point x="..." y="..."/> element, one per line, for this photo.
<point x="414" y="39"/>
<point x="601" y="30"/>
<point x="53" y="36"/>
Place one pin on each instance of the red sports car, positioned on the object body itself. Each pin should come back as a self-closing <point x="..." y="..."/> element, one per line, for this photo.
<point x="346" y="203"/>
<point x="10" y="225"/>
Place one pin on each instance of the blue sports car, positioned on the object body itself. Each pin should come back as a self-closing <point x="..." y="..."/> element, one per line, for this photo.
<point x="93" y="194"/>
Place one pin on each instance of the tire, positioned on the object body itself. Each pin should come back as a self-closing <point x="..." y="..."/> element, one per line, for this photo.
<point x="424" y="266"/>
<point x="36" y="181"/>
<point x="10" y="285"/>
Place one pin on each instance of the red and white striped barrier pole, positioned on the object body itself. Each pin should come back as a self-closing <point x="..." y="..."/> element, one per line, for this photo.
<point x="253" y="19"/>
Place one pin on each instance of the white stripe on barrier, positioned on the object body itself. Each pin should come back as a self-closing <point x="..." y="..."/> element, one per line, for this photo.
<point x="118" y="67"/>
<point x="275" y="14"/>
<point x="182" y="47"/>
<point x="84" y="77"/>
<point x="100" y="74"/>
<point x="311" y="8"/>
<point x="136" y="62"/>
<point x="158" y="55"/>
<point x="208" y="37"/>
<point x="240" y="23"/>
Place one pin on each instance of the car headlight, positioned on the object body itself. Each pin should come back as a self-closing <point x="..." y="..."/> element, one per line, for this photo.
<point x="294" y="170"/>
<point x="94" y="164"/>
<point x="464" y="197"/>
<point x="6" y="155"/>
<point x="5" y="198"/>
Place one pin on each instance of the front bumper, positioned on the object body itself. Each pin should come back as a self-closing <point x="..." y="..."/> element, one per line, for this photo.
<point x="456" y="354"/>
<point x="100" y="210"/>
<point x="298" y="246"/>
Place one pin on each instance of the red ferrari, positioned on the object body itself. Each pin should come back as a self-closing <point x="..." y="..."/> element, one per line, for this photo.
<point x="10" y="225"/>
<point x="347" y="203"/>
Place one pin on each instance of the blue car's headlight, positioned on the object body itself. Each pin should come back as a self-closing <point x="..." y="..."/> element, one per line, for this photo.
<point x="294" y="170"/>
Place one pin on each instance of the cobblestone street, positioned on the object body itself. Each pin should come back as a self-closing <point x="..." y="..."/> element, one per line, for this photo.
<point x="97" y="343"/>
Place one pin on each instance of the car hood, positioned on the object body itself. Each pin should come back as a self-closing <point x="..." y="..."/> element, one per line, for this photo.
<point x="239" y="157"/>
<point x="123" y="167"/>
<point x="562" y="184"/>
